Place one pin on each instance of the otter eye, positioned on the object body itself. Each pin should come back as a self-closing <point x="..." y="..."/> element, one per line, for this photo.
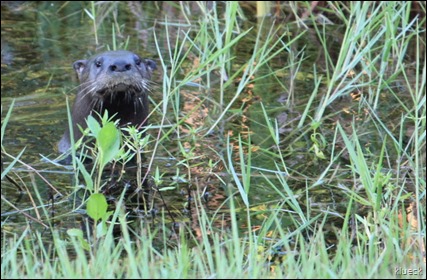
<point x="138" y="61"/>
<point x="98" y="63"/>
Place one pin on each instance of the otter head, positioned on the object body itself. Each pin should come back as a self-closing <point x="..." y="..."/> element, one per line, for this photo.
<point x="114" y="74"/>
<point x="113" y="81"/>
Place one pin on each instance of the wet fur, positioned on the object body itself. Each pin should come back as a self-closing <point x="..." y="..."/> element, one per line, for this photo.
<point x="117" y="81"/>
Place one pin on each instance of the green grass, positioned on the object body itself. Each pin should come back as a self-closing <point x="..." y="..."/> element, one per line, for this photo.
<point x="214" y="253"/>
<point x="372" y="166"/>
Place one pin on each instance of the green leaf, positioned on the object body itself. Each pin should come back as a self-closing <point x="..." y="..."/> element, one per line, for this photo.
<point x="107" y="215"/>
<point x="78" y="233"/>
<point x="86" y="176"/>
<point x="318" y="152"/>
<point x="101" y="229"/>
<point x="74" y="232"/>
<point x="96" y="206"/>
<point x="93" y="125"/>
<point x="167" y="189"/>
<point x="108" y="140"/>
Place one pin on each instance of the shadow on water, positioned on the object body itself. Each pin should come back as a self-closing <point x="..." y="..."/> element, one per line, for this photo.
<point x="40" y="41"/>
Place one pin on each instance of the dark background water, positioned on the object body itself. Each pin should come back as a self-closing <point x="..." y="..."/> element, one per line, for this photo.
<point x="41" y="40"/>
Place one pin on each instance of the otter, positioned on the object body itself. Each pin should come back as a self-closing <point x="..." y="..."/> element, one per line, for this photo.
<point x="116" y="81"/>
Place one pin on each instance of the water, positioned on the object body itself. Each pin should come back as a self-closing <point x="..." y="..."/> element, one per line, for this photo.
<point x="41" y="40"/>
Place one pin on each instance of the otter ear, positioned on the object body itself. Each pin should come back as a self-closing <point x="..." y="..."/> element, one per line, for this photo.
<point x="151" y="64"/>
<point x="79" y="66"/>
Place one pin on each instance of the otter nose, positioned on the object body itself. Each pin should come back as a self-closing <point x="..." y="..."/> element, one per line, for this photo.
<point x="120" y="66"/>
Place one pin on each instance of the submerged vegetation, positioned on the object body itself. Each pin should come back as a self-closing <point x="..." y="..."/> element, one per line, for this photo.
<point x="308" y="132"/>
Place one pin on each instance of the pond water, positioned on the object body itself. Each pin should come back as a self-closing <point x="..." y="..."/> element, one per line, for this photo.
<point x="41" y="40"/>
